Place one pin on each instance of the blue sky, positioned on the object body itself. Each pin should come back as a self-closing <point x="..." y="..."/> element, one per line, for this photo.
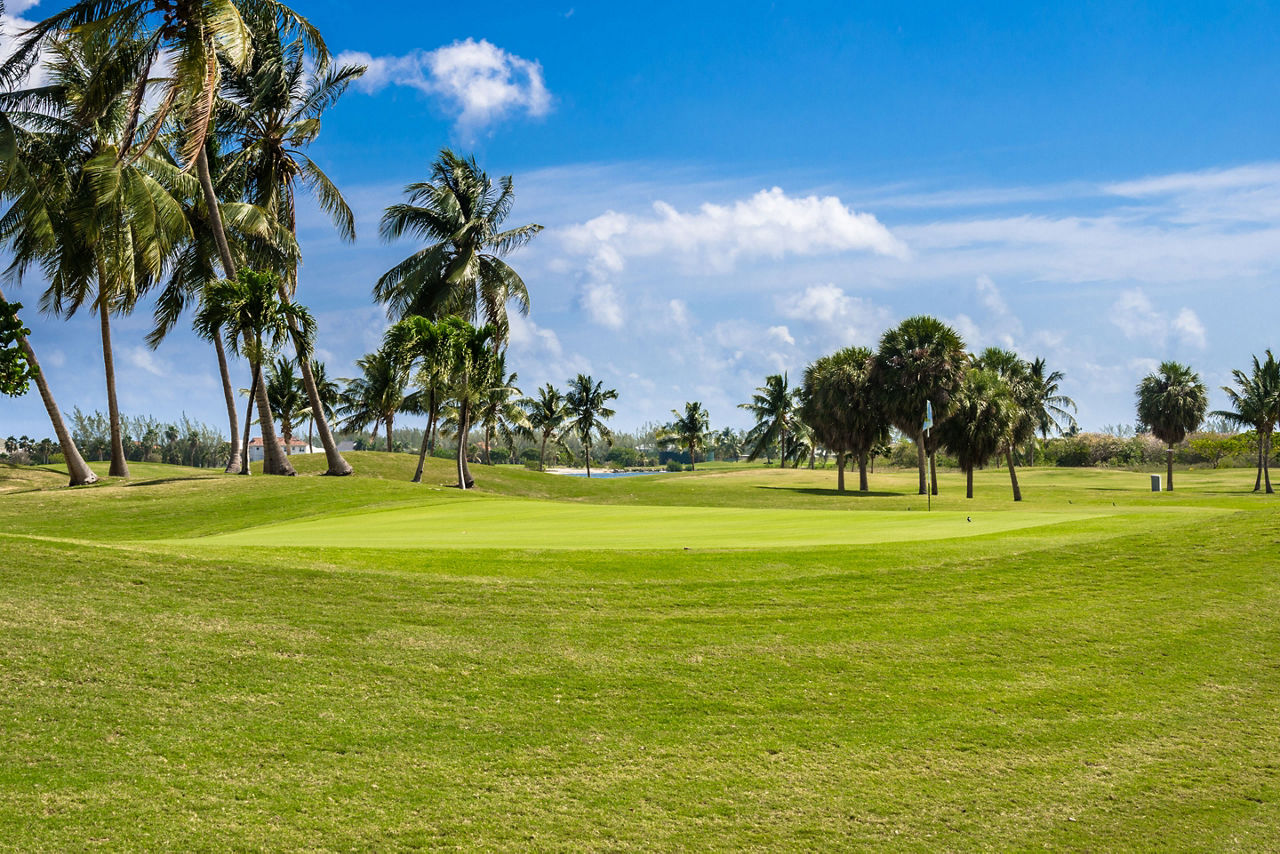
<point x="731" y="190"/>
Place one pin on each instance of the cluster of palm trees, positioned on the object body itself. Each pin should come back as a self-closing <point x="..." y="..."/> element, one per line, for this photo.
<point x="982" y="406"/>
<point x="1255" y="401"/>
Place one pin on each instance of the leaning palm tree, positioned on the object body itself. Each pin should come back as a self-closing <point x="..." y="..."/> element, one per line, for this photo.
<point x="981" y="423"/>
<point x="1053" y="412"/>
<point x="329" y="392"/>
<point x="774" y="408"/>
<point x="79" y="472"/>
<point x="842" y="406"/>
<point x="921" y="362"/>
<point x="546" y="414"/>
<point x="377" y="394"/>
<point x="587" y="401"/>
<point x="273" y="109"/>
<point x="1025" y="394"/>
<point x="288" y="399"/>
<point x="425" y="345"/>
<point x="255" y="323"/>
<point x="1172" y="403"/>
<point x="1255" y="403"/>
<point x="689" y="430"/>
<point x="459" y="212"/>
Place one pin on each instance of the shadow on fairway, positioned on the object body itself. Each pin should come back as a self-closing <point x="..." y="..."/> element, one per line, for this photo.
<point x="850" y="493"/>
<point x="160" y="480"/>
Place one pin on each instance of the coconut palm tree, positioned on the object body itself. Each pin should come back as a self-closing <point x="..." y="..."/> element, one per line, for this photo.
<point x="288" y="399"/>
<point x="844" y="409"/>
<point x="80" y="472"/>
<point x="425" y="345"/>
<point x="1050" y="409"/>
<point x="546" y="414"/>
<point x="329" y="392"/>
<point x="690" y="430"/>
<point x="982" y="420"/>
<point x="587" y="401"/>
<point x="920" y="361"/>
<point x="273" y="109"/>
<point x="499" y="411"/>
<point x="106" y="224"/>
<point x="1255" y="402"/>
<point x="774" y="408"/>
<point x="377" y="395"/>
<point x="1171" y="402"/>
<point x="1025" y="393"/>
<point x="248" y="313"/>
<point x="459" y="212"/>
<point x="471" y="371"/>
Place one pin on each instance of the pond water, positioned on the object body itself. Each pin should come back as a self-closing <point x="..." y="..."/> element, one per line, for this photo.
<point x="605" y="474"/>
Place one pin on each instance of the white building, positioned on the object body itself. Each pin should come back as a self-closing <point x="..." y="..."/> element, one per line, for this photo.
<point x="297" y="446"/>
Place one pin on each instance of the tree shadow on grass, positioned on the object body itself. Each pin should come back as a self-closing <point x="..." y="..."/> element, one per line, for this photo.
<point x="849" y="493"/>
<point x="160" y="480"/>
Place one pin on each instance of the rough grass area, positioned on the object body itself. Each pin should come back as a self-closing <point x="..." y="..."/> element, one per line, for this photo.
<point x="1105" y="682"/>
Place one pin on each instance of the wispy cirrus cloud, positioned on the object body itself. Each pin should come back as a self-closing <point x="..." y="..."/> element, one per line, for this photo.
<point x="477" y="82"/>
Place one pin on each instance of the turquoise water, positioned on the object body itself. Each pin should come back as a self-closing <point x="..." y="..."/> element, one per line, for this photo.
<point x="604" y="474"/>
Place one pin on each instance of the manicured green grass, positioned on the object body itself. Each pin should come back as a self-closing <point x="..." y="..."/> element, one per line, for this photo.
<point x="571" y="677"/>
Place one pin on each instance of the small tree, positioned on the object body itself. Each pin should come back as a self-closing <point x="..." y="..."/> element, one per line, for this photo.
<point x="688" y="430"/>
<point x="1171" y="403"/>
<point x="982" y="421"/>
<point x="547" y="414"/>
<point x="587" y="403"/>
<point x="16" y="370"/>
<point x="844" y="409"/>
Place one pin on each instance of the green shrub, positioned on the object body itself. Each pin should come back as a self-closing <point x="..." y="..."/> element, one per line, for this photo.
<point x="675" y="465"/>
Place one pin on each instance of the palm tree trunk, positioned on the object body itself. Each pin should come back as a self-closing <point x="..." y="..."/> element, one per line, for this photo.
<point x="693" y="460"/>
<point x="119" y="465"/>
<point x="1031" y="452"/>
<point x="968" y="482"/>
<point x="465" y="480"/>
<point x="488" y="437"/>
<point x="922" y="463"/>
<point x="286" y="433"/>
<point x="79" y="471"/>
<point x="247" y="468"/>
<point x="1262" y="443"/>
<point x="422" y="455"/>
<point x="1013" y="473"/>
<point x="338" y="466"/>
<point x="1266" y="465"/>
<point x="542" y="454"/>
<point x="813" y="453"/>
<point x="587" y="445"/>
<point x="235" y="462"/>
<point x="863" y="485"/>
<point x="1169" y="460"/>
<point x="391" y="420"/>
<point x="273" y="458"/>
<point x="840" y="471"/>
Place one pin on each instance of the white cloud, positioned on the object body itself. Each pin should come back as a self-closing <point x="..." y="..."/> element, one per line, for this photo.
<point x="1135" y="316"/>
<point x="603" y="305"/>
<point x="526" y="336"/>
<point x="480" y="82"/>
<point x="1189" y="329"/>
<point x="781" y="334"/>
<point x="840" y="318"/>
<point x="769" y="224"/>
<point x="145" y="360"/>
<point x="678" y="313"/>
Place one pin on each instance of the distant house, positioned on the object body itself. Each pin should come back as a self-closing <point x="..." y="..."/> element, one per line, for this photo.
<point x="297" y="446"/>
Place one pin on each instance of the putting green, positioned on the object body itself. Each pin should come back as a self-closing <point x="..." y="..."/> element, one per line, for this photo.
<point x="532" y="524"/>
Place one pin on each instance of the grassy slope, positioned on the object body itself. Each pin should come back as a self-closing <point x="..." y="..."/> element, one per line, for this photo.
<point x="1104" y="683"/>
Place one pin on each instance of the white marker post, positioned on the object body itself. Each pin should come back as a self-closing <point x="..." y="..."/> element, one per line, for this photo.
<point x="927" y="426"/>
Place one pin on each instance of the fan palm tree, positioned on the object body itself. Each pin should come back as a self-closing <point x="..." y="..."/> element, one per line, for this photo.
<point x="461" y="271"/>
<point x="773" y="406"/>
<point x="982" y="420"/>
<point x="377" y="395"/>
<point x="248" y="313"/>
<point x="425" y="345"/>
<point x="690" y="430"/>
<point x="1025" y="394"/>
<point x="1255" y="402"/>
<point x="79" y="472"/>
<point x="920" y="361"/>
<point x="844" y="409"/>
<point x="1050" y="409"/>
<point x="1172" y="403"/>
<point x="587" y="401"/>
<point x="106" y="225"/>
<point x="546" y="414"/>
<point x="273" y="108"/>
<point x="288" y="399"/>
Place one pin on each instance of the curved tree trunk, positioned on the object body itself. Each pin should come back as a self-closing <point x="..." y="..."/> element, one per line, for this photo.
<point x="1169" y="461"/>
<point x="76" y="467"/>
<point x="1013" y="474"/>
<point x="338" y="466"/>
<point x="422" y="456"/>
<point x="863" y="485"/>
<point x="840" y="461"/>
<point x="922" y="463"/>
<point x="119" y="464"/>
<point x="247" y="468"/>
<point x="273" y="459"/>
<point x="235" y="462"/>
<point x="968" y="482"/>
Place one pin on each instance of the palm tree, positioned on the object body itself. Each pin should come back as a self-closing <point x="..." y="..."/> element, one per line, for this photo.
<point x="288" y="399"/>
<point x="546" y="414"/>
<point x="471" y="372"/>
<point x="773" y="406"/>
<point x="426" y="345"/>
<point x="843" y="408"/>
<point x="499" y="410"/>
<point x="329" y="392"/>
<point x="80" y="472"/>
<point x="1171" y="402"/>
<point x="689" y="430"/>
<point x="1255" y="402"/>
<point x="105" y="225"/>
<point x="1049" y="408"/>
<point x="1025" y="393"/>
<point x="981" y="423"/>
<point x="377" y="395"/>
<point x="248" y="312"/>
<point x="920" y="361"/>
<point x="274" y="105"/>
<point x="459" y="212"/>
<point x="587" y="401"/>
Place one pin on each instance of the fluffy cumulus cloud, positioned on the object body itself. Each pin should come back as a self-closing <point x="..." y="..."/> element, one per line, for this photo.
<point x="479" y="82"/>
<point x="838" y="318"/>
<point x="1138" y="319"/>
